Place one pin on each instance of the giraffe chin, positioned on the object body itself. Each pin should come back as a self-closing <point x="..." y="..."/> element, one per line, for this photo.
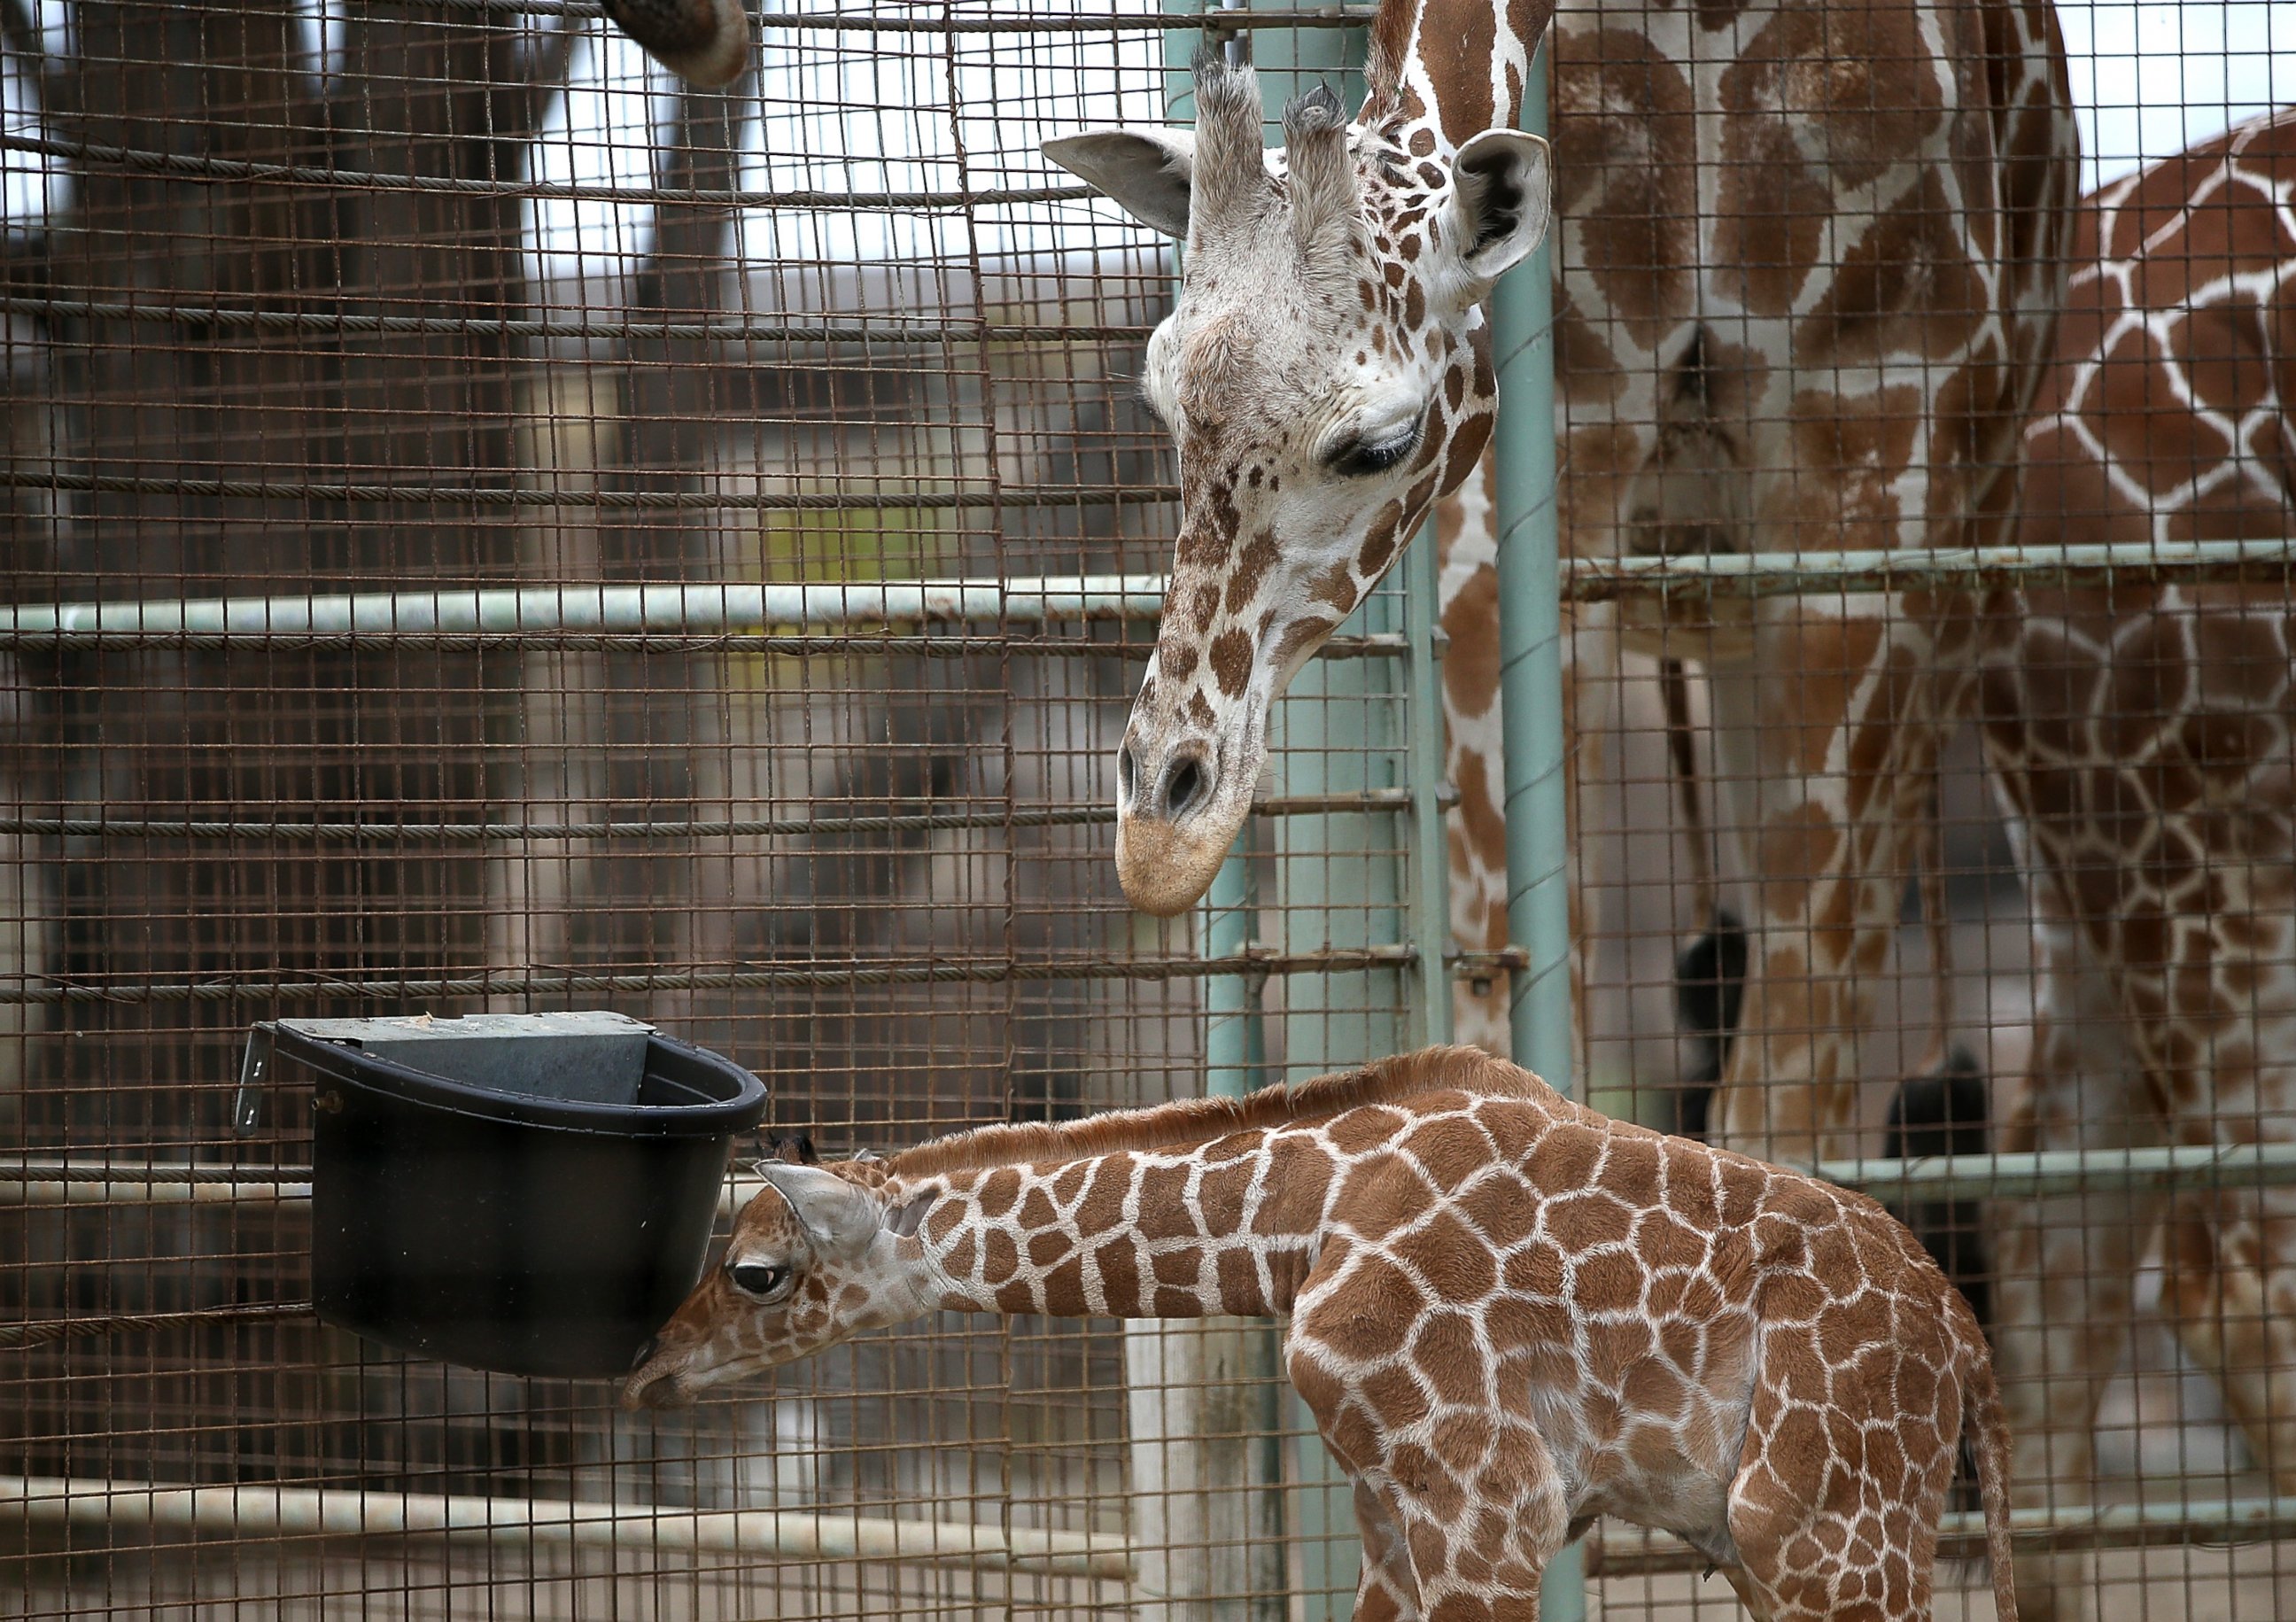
<point x="1166" y="867"/>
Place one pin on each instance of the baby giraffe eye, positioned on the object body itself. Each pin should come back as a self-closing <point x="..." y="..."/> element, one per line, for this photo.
<point x="1358" y="458"/>
<point x="756" y="1278"/>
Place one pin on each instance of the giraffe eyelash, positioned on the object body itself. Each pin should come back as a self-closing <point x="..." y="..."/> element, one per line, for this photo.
<point x="1360" y="458"/>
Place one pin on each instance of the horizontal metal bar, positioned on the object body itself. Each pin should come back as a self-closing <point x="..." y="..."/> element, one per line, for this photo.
<point x="820" y="827"/>
<point x="2068" y="1171"/>
<point x="146" y="1173"/>
<point x="47" y="1331"/>
<point x="1623" y="1552"/>
<point x="555" y="983"/>
<point x="578" y="328"/>
<point x="763" y="645"/>
<point x="709" y="609"/>
<point x="2182" y="1167"/>
<point x="658" y="619"/>
<point x="24" y="1185"/>
<point x="271" y="1512"/>
<point x="1313" y="17"/>
<point x="523" y="497"/>
<point x="628" y="609"/>
<point x="46" y="1183"/>
<point x="192" y="166"/>
<point x="1767" y="574"/>
<point x="472" y="833"/>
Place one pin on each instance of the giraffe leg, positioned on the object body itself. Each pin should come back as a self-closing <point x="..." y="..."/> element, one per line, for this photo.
<point x="2230" y="1278"/>
<point x="1385" y="1590"/>
<point x="2066" y="1264"/>
<point x="2230" y="1290"/>
<point x="1478" y="1540"/>
<point x="1459" y="1513"/>
<point x="1834" y="1508"/>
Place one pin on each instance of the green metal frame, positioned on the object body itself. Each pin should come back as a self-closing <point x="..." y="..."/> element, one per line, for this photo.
<point x="1530" y="694"/>
<point x="1379" y="877"/>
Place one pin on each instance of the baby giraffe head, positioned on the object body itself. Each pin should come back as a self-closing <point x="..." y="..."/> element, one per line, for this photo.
<point x="1326" y="374"/>
<point x="813" y="1261"/>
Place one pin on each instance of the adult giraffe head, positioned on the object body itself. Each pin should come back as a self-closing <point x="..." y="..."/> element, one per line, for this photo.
<point x="1326" y="374"/>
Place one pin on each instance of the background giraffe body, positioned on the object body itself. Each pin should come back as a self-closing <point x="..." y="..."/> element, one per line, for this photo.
<point x="2141" y="737"/>
<point x="1508" y="1314"/>
<point x="1808" y="268"/>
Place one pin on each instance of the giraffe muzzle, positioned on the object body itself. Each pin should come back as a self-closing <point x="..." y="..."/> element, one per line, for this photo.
<point x="1175" y="824"/>
<point x="657" y="1381"/>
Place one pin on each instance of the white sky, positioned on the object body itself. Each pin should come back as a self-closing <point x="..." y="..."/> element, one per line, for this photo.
<point x="2150" y="79"/>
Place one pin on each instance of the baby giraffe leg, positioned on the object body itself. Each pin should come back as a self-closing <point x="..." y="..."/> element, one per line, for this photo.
<point x="1460" y="1508"/>
<point x="1475" y="1543"/>
<point x="1835" y="1505"/>
<point x="1385" y="1590"/>
<point x="1855" y="1556"/>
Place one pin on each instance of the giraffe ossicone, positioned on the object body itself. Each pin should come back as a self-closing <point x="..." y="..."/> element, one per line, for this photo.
<point x="1508" y="1314"/>
<point x="1326" y="375"/>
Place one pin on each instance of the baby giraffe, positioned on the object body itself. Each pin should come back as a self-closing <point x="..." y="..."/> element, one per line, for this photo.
<point x="1508" y="1314"/>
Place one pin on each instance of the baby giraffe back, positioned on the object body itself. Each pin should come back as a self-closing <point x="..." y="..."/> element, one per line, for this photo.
<point x="1522" y="1314"/>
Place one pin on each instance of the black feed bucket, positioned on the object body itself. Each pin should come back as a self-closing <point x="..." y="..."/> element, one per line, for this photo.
<point x="530" y="1194"/>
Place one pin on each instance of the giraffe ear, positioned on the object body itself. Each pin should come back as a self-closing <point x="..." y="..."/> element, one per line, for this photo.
<point x="840" y="1218"/>
<point x="1503" y="197"/>
<point x="1146" y="172"/>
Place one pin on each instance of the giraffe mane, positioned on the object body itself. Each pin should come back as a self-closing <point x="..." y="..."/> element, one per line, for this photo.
<point x="1200" y="1120"/>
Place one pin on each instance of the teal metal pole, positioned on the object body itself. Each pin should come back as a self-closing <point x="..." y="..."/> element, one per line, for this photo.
<point x="1530" y="651"/>
<point x="1430" y="853"/>
<point x="1339" y="881"/>
<point x="1530" y="688"/>
<point x="1315" y="1518"/>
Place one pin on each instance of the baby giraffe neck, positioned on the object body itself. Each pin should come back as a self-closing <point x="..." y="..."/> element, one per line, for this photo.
<point x="1172" y="1233"/>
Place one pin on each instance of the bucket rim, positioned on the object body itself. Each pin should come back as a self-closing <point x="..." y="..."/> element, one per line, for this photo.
<point x="391" y="1079"/>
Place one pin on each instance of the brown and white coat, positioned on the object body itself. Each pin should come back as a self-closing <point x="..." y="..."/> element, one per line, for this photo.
<point x="1508" y="1313"/>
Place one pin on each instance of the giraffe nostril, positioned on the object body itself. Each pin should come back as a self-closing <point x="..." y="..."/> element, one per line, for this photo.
<point x="1125" y="773"/>
<point x="645" y="1352"/>
<point x="1186" y="783"/>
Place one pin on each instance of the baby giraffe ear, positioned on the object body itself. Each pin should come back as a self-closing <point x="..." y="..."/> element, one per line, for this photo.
<point x="840" y="1218"/>
<point x="1502" y="199"/>
<point x="1146" y="172"/>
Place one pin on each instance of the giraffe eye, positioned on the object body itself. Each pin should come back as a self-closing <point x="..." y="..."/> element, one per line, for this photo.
<point x="1359" y="458"/>
<point x="756" y="1278"/>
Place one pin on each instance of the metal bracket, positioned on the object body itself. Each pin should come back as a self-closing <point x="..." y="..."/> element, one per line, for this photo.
<point x="254" y="1071"/>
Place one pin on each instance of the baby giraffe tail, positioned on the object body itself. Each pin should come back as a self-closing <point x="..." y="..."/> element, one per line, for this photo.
<point x="1989" y="1432"/>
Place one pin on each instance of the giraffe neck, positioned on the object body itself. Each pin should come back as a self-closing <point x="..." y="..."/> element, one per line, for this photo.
<point x="1444" y="70"/>
<point x="1173" y="1232"/>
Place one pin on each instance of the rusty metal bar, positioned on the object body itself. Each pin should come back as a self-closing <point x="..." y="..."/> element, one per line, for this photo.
<point x="1624" y="1552"/>
<point x="1774" y="574"/>
<point x="193" y="166"/>
<point x="476" y="832"/>
<point x="530" y="982"/>
<point x="1238" y="19"/>
<point x="861" y="330"/>
<point x="680" y="499"/>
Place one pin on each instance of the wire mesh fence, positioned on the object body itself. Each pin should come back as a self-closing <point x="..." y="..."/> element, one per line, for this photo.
<point x="492" y="530"/>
